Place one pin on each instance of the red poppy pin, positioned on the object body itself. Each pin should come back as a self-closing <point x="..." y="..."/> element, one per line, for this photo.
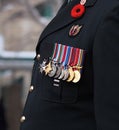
<point x="78" y="10"/>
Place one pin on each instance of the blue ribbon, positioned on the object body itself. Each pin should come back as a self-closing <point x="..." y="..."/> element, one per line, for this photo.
<point x="67" y="56"/>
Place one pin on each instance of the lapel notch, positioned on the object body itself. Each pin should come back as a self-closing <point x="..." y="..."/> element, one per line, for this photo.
<point x="63" y="18"/>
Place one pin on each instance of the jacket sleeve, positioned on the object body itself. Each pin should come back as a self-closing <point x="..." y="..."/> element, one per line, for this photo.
<point x="106" y="72"/>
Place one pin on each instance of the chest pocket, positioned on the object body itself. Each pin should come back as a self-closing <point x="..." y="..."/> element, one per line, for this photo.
<point x="61" y="74"/>
<point x="61" y="92"/>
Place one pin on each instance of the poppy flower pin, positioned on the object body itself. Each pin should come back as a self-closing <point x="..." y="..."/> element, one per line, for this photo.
<point x="78" y="10"/>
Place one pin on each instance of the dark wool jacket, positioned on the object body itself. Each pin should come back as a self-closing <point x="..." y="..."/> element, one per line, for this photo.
<point x="93" y="102"/>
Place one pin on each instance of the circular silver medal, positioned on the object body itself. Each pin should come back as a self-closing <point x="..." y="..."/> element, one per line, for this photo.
<point x="58" y="72"/>
<point x="53" y="71"/>
<point x="66" y="74"/>
<point x="62" y="74"/>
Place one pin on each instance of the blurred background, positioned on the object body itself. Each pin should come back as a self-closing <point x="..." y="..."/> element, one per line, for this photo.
<point x="21" y="23"/>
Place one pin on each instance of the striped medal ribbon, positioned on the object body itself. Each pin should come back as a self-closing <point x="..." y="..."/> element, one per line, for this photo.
<point x="76" y="64"/>
<point x="70" y="60"/>
<point x="68" y="56"/>
<point x="77" y="57"/>
<point x="81" y="59"/>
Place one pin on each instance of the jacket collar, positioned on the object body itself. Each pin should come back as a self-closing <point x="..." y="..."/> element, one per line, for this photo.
<point x="63" y="18"/>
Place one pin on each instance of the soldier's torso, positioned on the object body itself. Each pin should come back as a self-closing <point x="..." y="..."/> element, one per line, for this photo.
<point x="59" y="33"/>
<point x="57" y="89"/>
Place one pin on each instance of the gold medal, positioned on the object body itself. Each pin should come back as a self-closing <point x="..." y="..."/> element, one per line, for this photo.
<point x="71" y="75"/>
<point x="77" y="76"/>
<point x="48" y="68"/>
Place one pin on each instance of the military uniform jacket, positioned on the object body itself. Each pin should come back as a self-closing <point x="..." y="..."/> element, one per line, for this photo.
<point x="88" y="102"/>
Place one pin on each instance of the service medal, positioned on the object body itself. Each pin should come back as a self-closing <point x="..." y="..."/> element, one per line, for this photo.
<point x="58" y="72"/>
<point x="62" y="74"/>
<point x="42" y="66"/>
<point x="48" y="68"/>
<point x="66" y="62"/>
<point x="53" y="71"/>
<point x="77" y="76"/>
<point x="66" y="74"/>
<point x="71" y="75"/>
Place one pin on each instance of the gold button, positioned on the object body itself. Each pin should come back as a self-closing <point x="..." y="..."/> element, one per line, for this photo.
<point x="38" y="56"/>
<point x="31" y="88"/>
<point x="23" y="118"/>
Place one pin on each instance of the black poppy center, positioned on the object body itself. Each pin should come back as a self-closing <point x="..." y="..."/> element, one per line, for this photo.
<point x="78" y="10"/>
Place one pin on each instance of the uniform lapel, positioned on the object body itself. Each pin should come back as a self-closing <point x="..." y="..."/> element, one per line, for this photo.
<point x="63" y="18"/>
